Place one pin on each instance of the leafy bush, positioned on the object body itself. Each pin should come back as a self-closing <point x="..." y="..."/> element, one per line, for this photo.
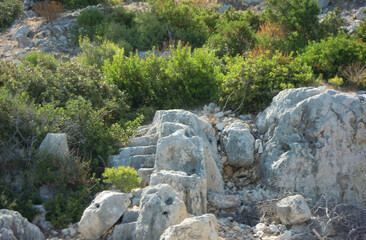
<point x="186" y="79"/>
<point x="9" y="11"/>
<point x="234" y="37"/>
<point x="360" y="31"/>
<point x="72" y="4"/>
<point x="89" y="22"/>
<point x="123" y="178"/>
<point x="41" y="59"/>
<point x="269" y="37"/>
<point x="332" y="23"/>
<point x="260" y="78"/>
<point x="336" y="81"/>
<point x="330" y="55"/>
<point x="298" y="19"/>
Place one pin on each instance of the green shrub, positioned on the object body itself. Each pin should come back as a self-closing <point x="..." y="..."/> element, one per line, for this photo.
<point x="187" y="79"/>
<point x="260" y="78"/>
<point x="41" y="59"/>
<point x="298" y="19"/>
<point x="9" y="11"/>
<point x="330" y="55"/>
<point x="89" y="22"/>
<point x="332" y="23"/>
<point x="360" y="31"/>
<point x="232" y="38"/>
<point x="123" y="178"/>
<point x="72" y="4"/>
<point x="336" y="81"/>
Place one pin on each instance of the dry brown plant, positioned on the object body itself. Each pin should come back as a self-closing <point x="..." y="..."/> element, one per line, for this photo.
<point x="49" y="10"/>
<point x="355" y="74"/>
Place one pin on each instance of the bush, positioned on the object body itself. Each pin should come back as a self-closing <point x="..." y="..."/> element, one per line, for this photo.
<point x="330" y="55"/>
<point x="187" y="79"/>
<point x="360" y="31"/>
<point x="72" y="4"/>
<point x="123" y="178"/>
<point x="232" y="38"/>
<point x="332" y="23"/>
<point x="49" y="10"/>
<point x="41" y="59"/>
<point x="299" y="19"/>
<point x="89" y="22"/>
<point x="260" y="78"/>
<point x="9" y="11"/>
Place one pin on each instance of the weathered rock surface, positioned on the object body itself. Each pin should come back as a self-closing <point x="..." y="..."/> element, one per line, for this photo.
<point x="15" y="227"/>
<point x="292" y="210"/>
<point x="103" y="213"/>
<point x="221" y="201"/>
<point x="55" y="144"/>
<point x="196" y="228"/>
<point x="315" y="143"/>
<point x="161" y="207"/>
<point x="238" y="143"/>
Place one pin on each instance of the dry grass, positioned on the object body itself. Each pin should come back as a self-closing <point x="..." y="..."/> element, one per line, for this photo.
<point x="49" y="10"/>
<point x="355" y="74"/>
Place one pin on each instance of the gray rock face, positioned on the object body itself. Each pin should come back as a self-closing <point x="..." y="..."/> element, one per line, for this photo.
<point x="103" y="213"/>
<point x="315" y="143"/>
<point x="196" y="228"/>
<point x="293" y="210"/>
<point x="23" y="30"/>
<point x="193" y="187"/>
<point x="323" y="3"/>
<point x="161" y="207"/>
<point x="124" y="231"/>
<point x="55" y="144"/>
<point x="15" y="227"/>
<point x="239" y="144"/>
<point x="24" y="41"/>
<point x="221" y="201"/>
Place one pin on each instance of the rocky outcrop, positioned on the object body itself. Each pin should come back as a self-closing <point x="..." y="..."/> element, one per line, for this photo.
<point x="293" y="210"/>
<point x="103" y="213"/>
<point x="315" y="143"/>
<point x="196" y="228"/>
<point x="55" y="144"/>
<point x="182" y="150"/>
<point x="15" y="227"/>
<point x="161" y="207"/>
<point x="238" y="143"/>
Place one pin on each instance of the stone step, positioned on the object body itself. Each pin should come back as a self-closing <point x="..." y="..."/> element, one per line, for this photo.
<point x="142" y="161"/>
<point x="143" y="141"/>
<point x="143" y="129"/>
<point x="126" y="154"/>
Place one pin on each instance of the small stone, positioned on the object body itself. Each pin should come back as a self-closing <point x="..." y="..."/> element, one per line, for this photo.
<point x="224" y="159"/>
<point x="6" y="48"/>
<point x="293" y="209"/>
<point x="259" y="146"/>
<point x="229" y="171"/>
<point x="286" y="235"/>
<point x="230" y="184"/>
<point x="72" y="232"/>
<point x="273" y="228"/>
<point x="220" y="126"/>
<point x="65" y="232"/>
<point x="219" y="114"/>
<point x="260" y="227"/>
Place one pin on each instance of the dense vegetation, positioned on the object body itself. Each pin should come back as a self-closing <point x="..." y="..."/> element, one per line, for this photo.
<point x="239" y="59"/>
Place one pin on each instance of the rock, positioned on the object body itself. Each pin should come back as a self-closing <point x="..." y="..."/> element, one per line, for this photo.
<point x="196" y="228"/>
<point x="219" y="114"/>
<point x="220" y="126"/>
<point x="144" y="174"/>
<point x="260" y="227"/>
<point x="361" y="15"/>
<point x="292" y="210"/>
<point x="130" y="215"/>
<point x="161" y="207"/>
<point x="55" y="144"/>
<point x="193" y="187"/>
<point x="45" y="192"/>
<point x="6" y="48"/>
<point x="258" y="146"/>
<point x="57" y="31"/>
<point x="24" y="41"/>
<point x="30" y="13"/>
<point x="124" y="231"/>
<point x="15" y="227"/>
<point x="224" y="8"/>
<point x="23" y="30"/>
<point x="229" y="171"/>
<point x="221" y="201"/>
<point x="41" y="216"/>
<point x="286" y="235"/>
<point x="239" y="144"/>
<point x="323" y="3"/>
<point x="315" y="144"/>
<point x="103" y="213"/>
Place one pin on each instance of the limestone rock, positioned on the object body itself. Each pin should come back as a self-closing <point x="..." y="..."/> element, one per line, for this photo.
<point x="144" y="174"/>
<point x="193" y="187"/>
<point x="196" y="228"/>
<point x="55" y="144"/>
<point x="124" y="231"/>
<point x="292" y="210"/>
<point x="315" y="143"/>
<point x="24" y="41"/>
<point x="221" y="201"/>
<point x="103" y="213"/>
<point x="23" y="30"/>
<point x="161" y="207"/>
<point x="15" y="227"/>
<point x="239" y="144"/>
<point x="323" y="3"/>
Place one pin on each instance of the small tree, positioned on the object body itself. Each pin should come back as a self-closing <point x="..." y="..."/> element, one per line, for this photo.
<point x="123" y="178"/>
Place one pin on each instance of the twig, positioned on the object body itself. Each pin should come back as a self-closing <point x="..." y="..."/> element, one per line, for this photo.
<point x="245" y="93"/>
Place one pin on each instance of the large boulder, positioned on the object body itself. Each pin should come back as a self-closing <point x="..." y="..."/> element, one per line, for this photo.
<point x="55" y="144"/>
<point x="103" y="213"/>
<point x="15" y="227"/>
<point x="193" y="187"/>
<point x="293" y="210"/>
<point x="196" y="228"/>
<point x="315" y="143"/>
<point x="161" y="207"/>
<point x="238" y="143"/>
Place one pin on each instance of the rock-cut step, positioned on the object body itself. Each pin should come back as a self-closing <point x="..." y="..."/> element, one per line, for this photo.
<point x="143" y="161"/>
<point x="143" y="141"/>
<point x="126" y="154"/>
